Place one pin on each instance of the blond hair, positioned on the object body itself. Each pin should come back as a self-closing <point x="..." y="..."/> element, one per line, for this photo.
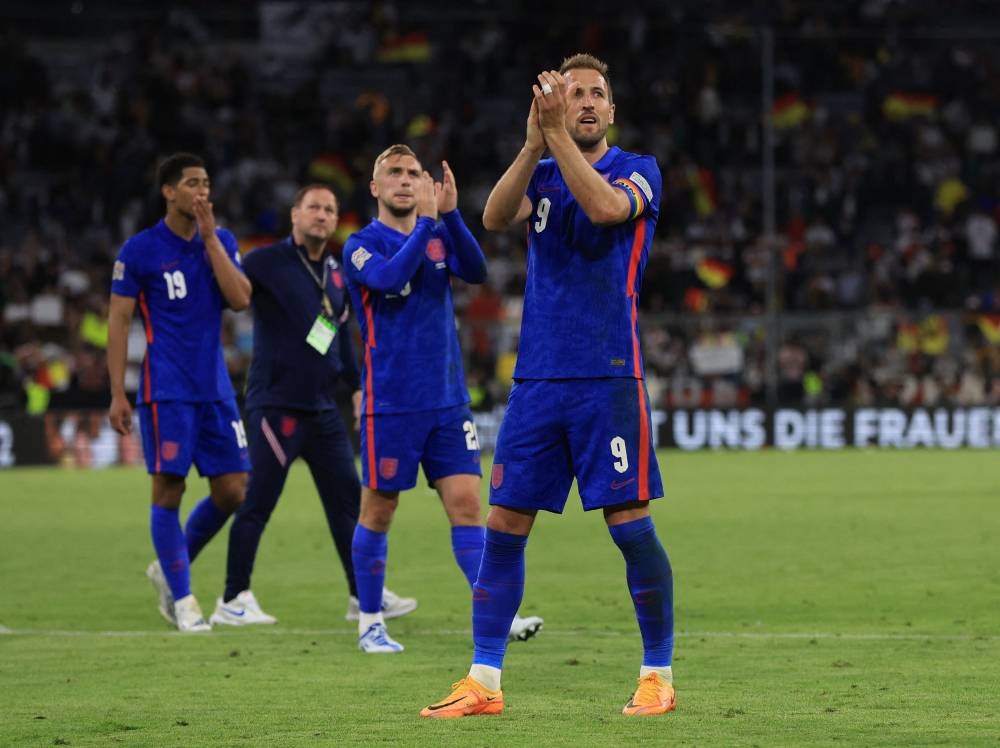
<point x="393" y="150"/>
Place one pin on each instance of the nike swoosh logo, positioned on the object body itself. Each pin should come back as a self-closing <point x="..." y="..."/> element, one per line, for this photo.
<point x="616" y="484"/>
<point x="237" y="613"/>
<point x="442" y="706"/>
<point x="491" y="698"/>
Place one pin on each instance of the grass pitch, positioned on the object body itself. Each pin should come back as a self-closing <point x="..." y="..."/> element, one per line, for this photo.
<point x="841" y="598"/>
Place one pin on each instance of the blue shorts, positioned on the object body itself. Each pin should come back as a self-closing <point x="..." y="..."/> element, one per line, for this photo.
<point x="211" y="435"/>
<point x="596" y="430"/>
<point x="444" y="441"/>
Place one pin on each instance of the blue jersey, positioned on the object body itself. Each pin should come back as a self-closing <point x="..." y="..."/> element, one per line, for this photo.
<point x="401" y="287"/>
<point x="181" y="307"/>
<point x="286" y="371"/>
<point x="581" y="299"/>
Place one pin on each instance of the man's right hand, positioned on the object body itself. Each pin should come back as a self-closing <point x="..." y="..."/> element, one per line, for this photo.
<point x="120" y="414"/>
<point x="426" y="199"/>
<point x="534" y="140"/>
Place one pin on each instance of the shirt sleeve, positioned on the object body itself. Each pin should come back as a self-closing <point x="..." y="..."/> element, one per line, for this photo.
<point x="232" y="247"/>
<point x="466" y="260"/>
<point x="388" y="274"/>
<point x="126" y="275"/>
<point x="642" y="186"/>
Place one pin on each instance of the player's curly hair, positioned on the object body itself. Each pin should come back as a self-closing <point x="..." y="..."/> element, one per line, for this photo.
<point x="172" y="168"/>
<point x="586" y="61"/>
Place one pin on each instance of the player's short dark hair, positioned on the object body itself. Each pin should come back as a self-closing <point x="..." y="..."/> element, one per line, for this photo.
<point x="172" y="168"/>
<point x="301" y="194"/>
<point x="588" y="62"/>
<point x="393" y="150"/>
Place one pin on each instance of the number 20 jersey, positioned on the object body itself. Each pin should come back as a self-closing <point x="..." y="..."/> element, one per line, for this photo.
<point x="181" y="307"/>
<point x="581" y="299"/>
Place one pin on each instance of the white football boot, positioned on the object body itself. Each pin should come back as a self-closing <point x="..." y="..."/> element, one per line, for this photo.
<point x="190" y="619"/>
<point x="522" y="629"/>
<point x="243" y="610"/>
<point x="376" y="640"/>
<point x="154" y="573"/>
<point x="393" y="606"/>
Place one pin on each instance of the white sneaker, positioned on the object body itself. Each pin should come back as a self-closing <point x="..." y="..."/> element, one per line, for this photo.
<point x="522" y="629"/>
<point x="243" y="610"/>
<point x="393" y="606"/>
<point x="189" y="616"/>
<point x="154" y="573"/>
<point x="377" y="640"/>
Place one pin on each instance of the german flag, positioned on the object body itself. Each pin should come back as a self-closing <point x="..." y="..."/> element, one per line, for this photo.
<point x="989" y="325"/>
<point x="713" y="273"/>
<point x="422" y="124"/>
<point x="332" y="169"/>
<point x="411" y="47"/>
<point x="702" y="183"/>
<point x="789" y="111"/>
<point x="934" y="337"/>
<point x="898" y="107"/>
<point x="908" y="337"/>
<point x="347" y="225"/>
<point x="695" y="300"/>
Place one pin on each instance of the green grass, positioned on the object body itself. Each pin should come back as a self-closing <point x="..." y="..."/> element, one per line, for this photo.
<point x="843" y="598"/>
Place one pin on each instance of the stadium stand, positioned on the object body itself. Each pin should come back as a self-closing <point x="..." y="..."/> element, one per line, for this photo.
<point x="887" y="174"/>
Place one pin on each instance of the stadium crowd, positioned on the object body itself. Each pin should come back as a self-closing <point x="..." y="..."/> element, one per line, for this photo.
<point x="886" y="153"/>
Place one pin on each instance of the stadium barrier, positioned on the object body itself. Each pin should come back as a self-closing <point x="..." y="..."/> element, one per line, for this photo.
<point x="83" y="438"/>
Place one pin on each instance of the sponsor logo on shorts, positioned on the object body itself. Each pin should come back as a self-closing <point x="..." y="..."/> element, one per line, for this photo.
<point x="169" y="450"/>
<point x="616" y="484"/>
<point x="496" y="479"/>
<point x="387" y="467"/>
<point x="435" y="250"/>
<point x="288" y="425"/>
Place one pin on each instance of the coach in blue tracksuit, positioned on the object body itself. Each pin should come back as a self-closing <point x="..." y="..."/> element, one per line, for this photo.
<point x="301" y="348"/>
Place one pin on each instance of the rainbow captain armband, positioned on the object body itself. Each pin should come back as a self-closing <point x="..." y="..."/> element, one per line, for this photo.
<point x="638" y="191"/>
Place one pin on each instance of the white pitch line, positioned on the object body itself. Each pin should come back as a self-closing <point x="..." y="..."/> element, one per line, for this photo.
<point x="760" y="635"/>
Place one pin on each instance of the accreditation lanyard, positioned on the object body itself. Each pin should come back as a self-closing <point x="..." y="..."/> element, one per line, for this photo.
<point x="321" y="282"/>
<point x="324" y="328"/>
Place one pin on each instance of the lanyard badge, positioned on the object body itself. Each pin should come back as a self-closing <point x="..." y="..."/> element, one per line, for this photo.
<point x="321" y="334"/>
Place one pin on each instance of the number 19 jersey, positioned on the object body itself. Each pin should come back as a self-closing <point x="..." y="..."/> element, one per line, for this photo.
<point x="181" y="307"/>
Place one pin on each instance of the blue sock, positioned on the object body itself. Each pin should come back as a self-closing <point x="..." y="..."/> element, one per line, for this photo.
<point x="369" y="551"/>
<point x="171" y="550"/>
<point x="205" y="520"/>
<point x="496" y="595"/>
<point x="651" y="585"/>
<point x="467" y="545"/>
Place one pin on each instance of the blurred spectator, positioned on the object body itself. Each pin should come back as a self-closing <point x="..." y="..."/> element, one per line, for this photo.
<point x="887" y="180"/>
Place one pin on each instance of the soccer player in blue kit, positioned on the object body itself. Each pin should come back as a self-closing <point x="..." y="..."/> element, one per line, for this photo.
<point x="181" y="273"/>
<point x="415" y="405"/>
<point x="578" y="407"/>
<point x="301" y="347"/>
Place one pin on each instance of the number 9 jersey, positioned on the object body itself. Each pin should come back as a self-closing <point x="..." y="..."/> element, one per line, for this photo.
<point x="181" y="305"/>
<point x="581" y="299"/>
